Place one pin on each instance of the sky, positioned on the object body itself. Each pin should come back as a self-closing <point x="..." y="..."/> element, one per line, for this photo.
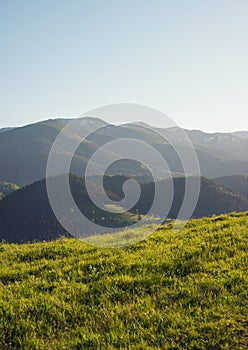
<point x="186" y="58"/>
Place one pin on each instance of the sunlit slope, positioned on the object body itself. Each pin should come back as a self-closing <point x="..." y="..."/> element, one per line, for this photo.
<point x="176" y="290"/>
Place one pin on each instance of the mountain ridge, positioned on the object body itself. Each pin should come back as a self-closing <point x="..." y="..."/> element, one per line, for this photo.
<point x="26" y="214"/>
<point x="237" y="183"/>
<point x="24" y="150"/>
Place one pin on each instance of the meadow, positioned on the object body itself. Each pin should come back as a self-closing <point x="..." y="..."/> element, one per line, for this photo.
<point x="182" y="290"/>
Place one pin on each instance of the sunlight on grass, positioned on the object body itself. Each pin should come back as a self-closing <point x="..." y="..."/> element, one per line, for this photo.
<point x="182" y="290"/>
<point x="126" y="237"/>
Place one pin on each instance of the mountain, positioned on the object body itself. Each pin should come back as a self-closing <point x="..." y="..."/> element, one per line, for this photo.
<point x="7" y="188"/>
<point x="214" y="199"/>
<point x="26" y="215"/>
<point x="242" y="134"/>
<point x="226" y="146"/>
<point x="3" y="130"/>
<point x="24" y="151"/>
<point x="237" y="183"/>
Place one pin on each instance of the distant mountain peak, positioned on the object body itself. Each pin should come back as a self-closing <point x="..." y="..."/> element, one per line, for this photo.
<point x="93" y="121"/>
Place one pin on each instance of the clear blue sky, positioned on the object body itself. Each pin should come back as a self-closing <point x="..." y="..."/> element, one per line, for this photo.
<point x="188" y="58"/>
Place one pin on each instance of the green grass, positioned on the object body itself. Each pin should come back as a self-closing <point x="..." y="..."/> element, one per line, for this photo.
<point x="176" y="290"/>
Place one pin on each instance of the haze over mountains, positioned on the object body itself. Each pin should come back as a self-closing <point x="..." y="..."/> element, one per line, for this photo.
<point x="24" y="150"/>
<point x="237" y="183"/>
<point x="26" y="215"/>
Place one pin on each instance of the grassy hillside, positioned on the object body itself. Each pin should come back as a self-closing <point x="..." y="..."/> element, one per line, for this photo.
<point x="177" y="290"/>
